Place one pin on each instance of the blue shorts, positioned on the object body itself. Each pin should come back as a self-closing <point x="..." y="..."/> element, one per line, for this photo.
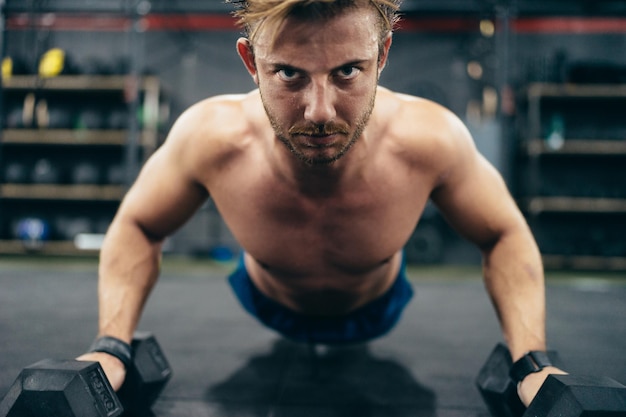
<point x="365" y="323"/>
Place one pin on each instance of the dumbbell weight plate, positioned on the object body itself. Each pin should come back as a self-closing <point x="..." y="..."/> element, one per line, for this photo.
<point x="15" y="173"/>
<point x="497" y="388"/>
<point x="60" y="116"/>
<point x="117" y="119"/>
<point x="147" y="376"/>
<point x="559" y="396"/>
<point x="45" y="172"/>
<point x="71" y="388"/>
<point x="578" y="396"/>
<point x="86" y="173"/>
<point x="116" y="174"/>
<point x="61" y="388"/>
<point x="13" y="118"/>
<point x="90" y="119"/>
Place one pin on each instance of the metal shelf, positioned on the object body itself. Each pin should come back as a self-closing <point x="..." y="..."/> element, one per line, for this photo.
<point x="585" y="262"/>
<point x="580" y="107"/>
<point x="77" y="82"/>
<point x="61" y="247"/>
<point x="536" y="205"/>
<point x="535" y="147"/>
<point x="62" y="192"/>
<point x="537" y="90"/>
<point x="64" y="137"/>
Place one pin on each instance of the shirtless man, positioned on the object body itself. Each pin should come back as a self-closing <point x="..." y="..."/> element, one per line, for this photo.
<point x="321" y="175"/>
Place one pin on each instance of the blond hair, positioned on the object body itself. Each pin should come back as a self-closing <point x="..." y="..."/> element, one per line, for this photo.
<point x="252" y="14"/>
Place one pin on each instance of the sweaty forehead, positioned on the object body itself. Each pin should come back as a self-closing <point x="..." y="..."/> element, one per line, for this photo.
<point x="354" y="32"/>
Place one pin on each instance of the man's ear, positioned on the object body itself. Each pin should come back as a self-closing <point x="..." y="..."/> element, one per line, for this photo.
<point x="384" y="53"/>
<point x="244" y="49"/>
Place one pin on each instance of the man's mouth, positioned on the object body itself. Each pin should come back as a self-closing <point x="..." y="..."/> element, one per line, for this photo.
<point x="317" y="140"/>
<point x="330" y="129"/>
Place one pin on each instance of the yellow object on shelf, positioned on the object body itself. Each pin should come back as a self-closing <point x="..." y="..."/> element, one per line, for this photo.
<point x="52" y="63"/>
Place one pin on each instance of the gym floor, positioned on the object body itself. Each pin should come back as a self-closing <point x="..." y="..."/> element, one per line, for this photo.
<point x="225" y="364"/>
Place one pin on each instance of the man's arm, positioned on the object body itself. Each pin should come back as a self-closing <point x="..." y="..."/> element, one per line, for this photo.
<point x="163" y="197"/>
<point x="475" y="200"/>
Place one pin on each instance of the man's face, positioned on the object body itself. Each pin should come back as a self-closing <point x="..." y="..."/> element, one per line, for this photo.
<point x="318" y="82"/>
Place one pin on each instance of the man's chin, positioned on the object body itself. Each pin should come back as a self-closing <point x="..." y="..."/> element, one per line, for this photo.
<point x="316" y="161"/>
<point x="317" y="158"/>
<point x="318" y="155"/>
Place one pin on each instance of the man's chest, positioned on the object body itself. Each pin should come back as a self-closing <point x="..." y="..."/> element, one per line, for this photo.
<point x="353" y="230"/>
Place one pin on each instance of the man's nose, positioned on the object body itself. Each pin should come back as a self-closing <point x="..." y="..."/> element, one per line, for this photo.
<point x="319" y="103"/>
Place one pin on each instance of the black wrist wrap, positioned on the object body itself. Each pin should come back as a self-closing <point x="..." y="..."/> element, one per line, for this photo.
<point x="533" y="361"/>
<point x="115" y="347"/>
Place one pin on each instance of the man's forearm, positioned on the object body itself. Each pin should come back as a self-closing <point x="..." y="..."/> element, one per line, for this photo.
<point x="514" y="278"/>
<point x="129" y="268"/>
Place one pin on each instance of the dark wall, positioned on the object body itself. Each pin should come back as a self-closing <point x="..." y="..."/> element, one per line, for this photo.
<point x="195" y="65"/>
<point x="198" y="64"/>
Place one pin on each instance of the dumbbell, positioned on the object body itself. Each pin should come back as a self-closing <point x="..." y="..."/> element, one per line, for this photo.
<point x="85" y="172"/>
<point x="72" y="388"/>
<point x="16" y="173"/>
<point x="45" y="171"/>
<point x="559" y="396"/>
<point x="60" y="116"/>
<point x="55" y="62"/>
<point x="68" y="227"/>
<point x="117" y="119"/>
<point x="90" y="119"/>
<point x="13" y="65"/>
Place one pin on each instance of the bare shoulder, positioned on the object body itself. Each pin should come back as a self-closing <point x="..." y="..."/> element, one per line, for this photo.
<point x="211" y="120"/>
<point x="426" y="133"/>
<point x="423" y="122"/>
<point x="212" y="130"/>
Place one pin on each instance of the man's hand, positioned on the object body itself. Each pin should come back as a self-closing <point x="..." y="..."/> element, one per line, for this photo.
<point x="113" y="368"/>
<point x="528" y="388"/>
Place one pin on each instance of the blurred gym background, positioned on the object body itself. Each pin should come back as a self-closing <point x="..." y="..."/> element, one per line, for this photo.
<point x="91" y="87"/>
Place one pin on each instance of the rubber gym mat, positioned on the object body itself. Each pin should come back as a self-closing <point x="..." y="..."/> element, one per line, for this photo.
<point x="226" y="364"/>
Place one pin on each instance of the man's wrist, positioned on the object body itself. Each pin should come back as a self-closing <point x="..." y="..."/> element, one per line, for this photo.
<point x="114" y="347"/>
<point x="532" y="362"/>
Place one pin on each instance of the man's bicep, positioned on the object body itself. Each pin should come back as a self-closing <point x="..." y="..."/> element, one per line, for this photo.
<point x="477" y="203"/>
<point x="163" y="197"/>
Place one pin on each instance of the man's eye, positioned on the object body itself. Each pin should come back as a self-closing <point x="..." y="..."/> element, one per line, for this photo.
<point x="349" y="72"/>
<point x="287" y="74"/>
